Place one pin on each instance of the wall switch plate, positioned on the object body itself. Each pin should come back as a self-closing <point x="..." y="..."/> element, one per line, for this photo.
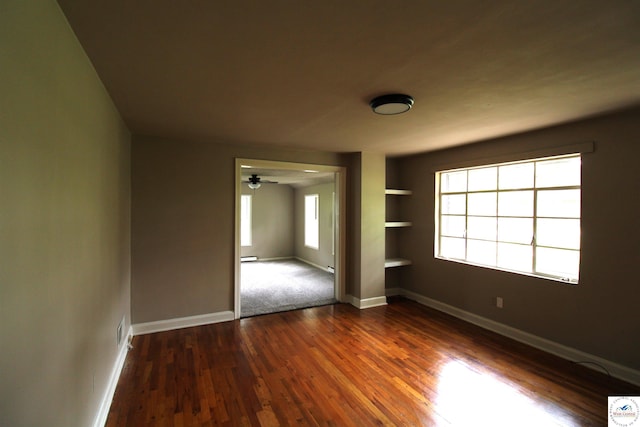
<point x="499" y="302"/>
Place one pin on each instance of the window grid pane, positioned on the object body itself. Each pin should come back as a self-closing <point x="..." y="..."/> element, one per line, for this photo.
<point x="453" y="225"/>
<point x="563" y="172"/>
<point x="515" y="203"/>
<point x="515" y="230"/>
<point x="483" y="179"/>
<point x="558" y="203"/>
<point x="452" y="248"/>
<point x="558" y="233"/>
<point x="522" y="217"/>
<point x="484" y="228"/>
<point x="481" y="252"/>
<point x="453" y="182"/>
<point x="455" y="204"/>
<point x="516" y="176"/>
<point x="482" y="204"/>
<point x="558" y="262"/>
<point x="515" y="257"/>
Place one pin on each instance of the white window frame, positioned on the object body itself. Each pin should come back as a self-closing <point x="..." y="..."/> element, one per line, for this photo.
<point x="246" y="236"/>
<point x="534" y="216"/>
<point x="311" y="221"/>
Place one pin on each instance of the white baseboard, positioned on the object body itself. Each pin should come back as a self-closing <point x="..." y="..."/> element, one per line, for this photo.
<point x="313" y="264"/>
<point x="107" y="398"/>
<point x="615" y="369"/>
<point x="367" y="302"/>
<point x="182" y="322"/>
<point x="277" y="258"/>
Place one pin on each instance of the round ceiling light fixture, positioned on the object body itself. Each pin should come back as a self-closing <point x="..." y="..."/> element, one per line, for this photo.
<point x="391" y="104"/>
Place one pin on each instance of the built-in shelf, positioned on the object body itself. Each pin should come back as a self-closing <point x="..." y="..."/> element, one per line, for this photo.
<point x="392" y="191"/>
<point x="395" y="262"/>
<point x="390" y="224"/>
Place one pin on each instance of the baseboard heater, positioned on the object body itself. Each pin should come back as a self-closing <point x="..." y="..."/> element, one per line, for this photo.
<point x="248" y="258"/>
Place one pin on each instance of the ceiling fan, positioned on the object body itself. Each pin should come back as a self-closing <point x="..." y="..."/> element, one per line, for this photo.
<point x="255" y="182"/>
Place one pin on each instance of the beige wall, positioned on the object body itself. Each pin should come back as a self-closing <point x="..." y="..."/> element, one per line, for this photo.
<point x="322" y="256"/>
<point x="367" y="231"/>
<point x="272" y="221"/>
<point x="183" y="223"/>
<point x="598" y="316"/>
<point x="64" y="221"/>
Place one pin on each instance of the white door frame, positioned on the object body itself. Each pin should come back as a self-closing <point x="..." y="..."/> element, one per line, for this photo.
<point x="339" y="212"/>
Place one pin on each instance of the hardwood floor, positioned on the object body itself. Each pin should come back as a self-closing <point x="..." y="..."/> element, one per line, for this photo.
<point x="401" y="364"/>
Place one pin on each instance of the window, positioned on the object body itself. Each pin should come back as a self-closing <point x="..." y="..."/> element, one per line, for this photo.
<point x="311" y="224"/>
<point x="522" y="217"/>
<point x="245" y="220"/>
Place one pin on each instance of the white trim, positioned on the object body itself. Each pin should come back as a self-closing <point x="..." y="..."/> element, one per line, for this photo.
<point x="350" y="299"/>
<point x="397" y="192"/>
<point x="277" y="258"/>
<point x="107" y="398"/>
<point x="313" y="264"/>
<point x="367" y="302"/>
<point x="392" y="224"/>
<point x="182" y="322"/>
<point x="396" y="262"/>
<point x="615" y="369"/>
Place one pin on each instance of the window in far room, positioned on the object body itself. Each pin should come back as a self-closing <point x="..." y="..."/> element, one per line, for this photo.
<point x="245" y="220"/>
<point x="522" y="217"/>
<point x="311" y="223"/>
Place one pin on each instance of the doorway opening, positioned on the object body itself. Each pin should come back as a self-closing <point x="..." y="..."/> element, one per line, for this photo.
<point x="289" y="236"/>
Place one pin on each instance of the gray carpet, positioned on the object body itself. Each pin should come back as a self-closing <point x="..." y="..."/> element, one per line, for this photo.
<point x="272" y="286"/>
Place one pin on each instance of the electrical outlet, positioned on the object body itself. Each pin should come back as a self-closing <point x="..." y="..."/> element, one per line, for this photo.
<point x="499" y="302"/>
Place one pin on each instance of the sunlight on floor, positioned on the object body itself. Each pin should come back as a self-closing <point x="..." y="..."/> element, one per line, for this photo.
<point x="467" y="397"/>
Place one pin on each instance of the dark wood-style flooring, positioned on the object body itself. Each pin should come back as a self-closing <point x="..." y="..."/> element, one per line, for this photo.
<point x="401" y="364"/>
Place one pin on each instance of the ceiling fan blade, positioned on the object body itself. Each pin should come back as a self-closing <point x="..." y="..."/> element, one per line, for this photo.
<point x="255" y="179"/>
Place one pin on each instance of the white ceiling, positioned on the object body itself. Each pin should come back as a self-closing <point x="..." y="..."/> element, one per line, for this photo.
<point x="300" y="74"/>
<point x="295" y="178"/>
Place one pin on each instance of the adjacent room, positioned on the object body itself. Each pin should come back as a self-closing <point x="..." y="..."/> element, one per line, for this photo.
<point x="287" y="239"/>
<point x="458" y="179"/>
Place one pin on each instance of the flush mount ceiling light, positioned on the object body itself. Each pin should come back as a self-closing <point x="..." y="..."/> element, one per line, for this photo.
<point x="391" y="104"/>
